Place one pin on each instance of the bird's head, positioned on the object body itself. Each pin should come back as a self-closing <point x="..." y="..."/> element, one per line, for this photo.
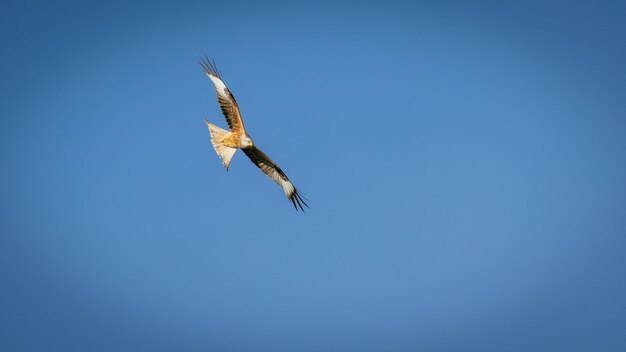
<point x="246" y="142"/>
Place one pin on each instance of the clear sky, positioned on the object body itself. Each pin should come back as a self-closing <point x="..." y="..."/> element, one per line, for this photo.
<point x="465" y="164"/>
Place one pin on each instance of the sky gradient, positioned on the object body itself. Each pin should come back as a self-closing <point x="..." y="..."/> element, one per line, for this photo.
<point x="465" y="165"/>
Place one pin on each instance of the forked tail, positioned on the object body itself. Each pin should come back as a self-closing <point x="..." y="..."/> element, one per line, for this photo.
<point x="217" y="136"/>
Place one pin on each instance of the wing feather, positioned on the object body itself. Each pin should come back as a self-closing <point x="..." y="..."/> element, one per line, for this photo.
<point x="225" y="98"/>
<point x="263" y="162"/>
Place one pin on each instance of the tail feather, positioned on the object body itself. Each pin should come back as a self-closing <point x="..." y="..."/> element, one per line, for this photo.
<point x="217" y="136"/>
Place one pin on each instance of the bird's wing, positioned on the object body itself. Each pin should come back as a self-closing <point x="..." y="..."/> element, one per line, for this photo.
<point x="272" y="170"/>
<point x="227" y="101"/>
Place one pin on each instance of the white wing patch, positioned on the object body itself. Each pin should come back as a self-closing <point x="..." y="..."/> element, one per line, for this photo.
<point x="285" y="184"/>
<point x="220" y="87"/>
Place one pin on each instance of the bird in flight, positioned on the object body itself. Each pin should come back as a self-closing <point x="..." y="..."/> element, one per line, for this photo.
<point x="226" y="142"/>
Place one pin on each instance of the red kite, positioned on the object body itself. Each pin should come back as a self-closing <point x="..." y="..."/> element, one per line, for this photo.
<point x="226" y="142"/>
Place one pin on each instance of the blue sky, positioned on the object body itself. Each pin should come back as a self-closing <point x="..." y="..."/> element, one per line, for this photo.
<point x="465" y="165"/>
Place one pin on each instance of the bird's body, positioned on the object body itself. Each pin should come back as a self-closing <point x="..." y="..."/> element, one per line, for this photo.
<point x="226" y="142"/>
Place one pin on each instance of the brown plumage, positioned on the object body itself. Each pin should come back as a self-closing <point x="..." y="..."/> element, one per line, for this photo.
<point x="226" y="142"/>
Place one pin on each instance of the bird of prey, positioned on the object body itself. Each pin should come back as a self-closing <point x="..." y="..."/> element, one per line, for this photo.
<point x="226" y="142"/>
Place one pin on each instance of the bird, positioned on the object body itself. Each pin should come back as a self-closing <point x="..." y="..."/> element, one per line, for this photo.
<point x="226" y="142"/>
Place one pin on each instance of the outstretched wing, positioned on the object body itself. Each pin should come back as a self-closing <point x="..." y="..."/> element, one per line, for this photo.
<point x="272" y="170"/>
<point x="227" y="101"/>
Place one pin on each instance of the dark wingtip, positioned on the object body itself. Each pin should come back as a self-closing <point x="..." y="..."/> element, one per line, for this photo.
<point x="209" y="66"/>
<point x="297" y="201"/>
